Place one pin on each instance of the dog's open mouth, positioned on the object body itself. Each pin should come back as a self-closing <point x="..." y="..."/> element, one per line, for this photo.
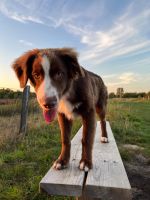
<point x="49" y="115"/>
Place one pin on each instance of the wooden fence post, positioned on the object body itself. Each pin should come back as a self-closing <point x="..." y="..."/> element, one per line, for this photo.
<point x="24" y="110"/>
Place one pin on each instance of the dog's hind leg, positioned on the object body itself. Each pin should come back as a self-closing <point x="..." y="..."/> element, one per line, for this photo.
<point x="101" y="112"/>
<point x="65" y="127"/>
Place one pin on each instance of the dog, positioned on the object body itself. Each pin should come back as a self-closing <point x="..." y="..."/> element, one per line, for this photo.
<point x="66" y="89"/>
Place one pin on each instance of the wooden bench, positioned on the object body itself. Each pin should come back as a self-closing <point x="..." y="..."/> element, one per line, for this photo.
<point x="106" y="181"/>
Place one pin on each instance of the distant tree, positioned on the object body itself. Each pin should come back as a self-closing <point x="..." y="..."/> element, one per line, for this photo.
<point x="148" y="95"/>
<point x="120" y="92"/>
<point x="130" y="95"/>
<point x="11" y="94"/>
<point x="18" y="94"/>
<point x="142" y="94"/>
<point x="112" y="95"/>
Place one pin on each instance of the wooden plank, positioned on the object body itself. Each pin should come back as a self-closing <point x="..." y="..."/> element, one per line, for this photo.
<point x="67" y="182"/>
<point x="24" y="110"/>
<point x="108" y="178"/>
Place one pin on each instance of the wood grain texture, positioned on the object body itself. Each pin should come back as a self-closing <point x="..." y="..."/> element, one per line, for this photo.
<point x="108" y="178"/>
<point x="69" y="181"/>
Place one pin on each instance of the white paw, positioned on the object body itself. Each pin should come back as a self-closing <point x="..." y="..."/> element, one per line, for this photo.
<point x="82" y="166"/>
<point x="57" y="166"/>
<point x="104" y="139"/>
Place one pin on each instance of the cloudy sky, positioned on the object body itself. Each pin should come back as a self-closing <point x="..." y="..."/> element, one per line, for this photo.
<point x="111" y="36"/>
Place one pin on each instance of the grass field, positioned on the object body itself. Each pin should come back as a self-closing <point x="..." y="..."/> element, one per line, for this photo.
<point x="24" y="160"/>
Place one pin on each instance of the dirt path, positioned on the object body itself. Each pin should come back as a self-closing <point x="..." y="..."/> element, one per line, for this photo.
<point x="139" y="175"/>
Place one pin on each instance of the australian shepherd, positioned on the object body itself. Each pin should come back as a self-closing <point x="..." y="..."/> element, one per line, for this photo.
<point x="66" y="90"/>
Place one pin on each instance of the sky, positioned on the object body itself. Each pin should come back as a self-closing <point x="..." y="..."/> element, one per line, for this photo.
<point x="112" y="37"/>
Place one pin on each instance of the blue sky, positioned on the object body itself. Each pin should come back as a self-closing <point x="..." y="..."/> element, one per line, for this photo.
<point x="111" y="36"/>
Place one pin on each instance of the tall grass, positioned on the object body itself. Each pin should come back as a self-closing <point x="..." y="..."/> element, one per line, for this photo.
<point x="24" y="161"/>
<point x="130" y="122"/>
<point x="9" y="122"/>
<point x="10" y="113"/>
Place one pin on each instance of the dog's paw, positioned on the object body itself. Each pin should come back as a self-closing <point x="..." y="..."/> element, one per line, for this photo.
<point x="60" y="164"/>
<point x="104" y="140"/>
<point x="85" y="165"/>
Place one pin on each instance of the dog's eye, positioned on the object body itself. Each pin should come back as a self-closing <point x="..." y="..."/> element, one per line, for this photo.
<point x="36" y="76"/>
<point x="59" y="75"/>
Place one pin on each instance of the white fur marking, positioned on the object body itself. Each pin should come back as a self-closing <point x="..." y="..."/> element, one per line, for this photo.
<point x="46" y="89"/>
<point x="86" y="169"/>
<point x="67" y="108"/>
<point x="82" y="164"/>
<point x="104" y="139"/>
<point x="58" y="166"/>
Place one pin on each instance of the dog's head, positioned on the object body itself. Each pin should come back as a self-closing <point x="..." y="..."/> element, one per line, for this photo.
<point x="50" y="72"/>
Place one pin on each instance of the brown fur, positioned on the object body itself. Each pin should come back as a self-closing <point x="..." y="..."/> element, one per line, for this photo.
<point x="83" y="88"/>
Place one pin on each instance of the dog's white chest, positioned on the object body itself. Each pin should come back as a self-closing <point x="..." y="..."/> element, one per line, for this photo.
<point x="66" y="108"/>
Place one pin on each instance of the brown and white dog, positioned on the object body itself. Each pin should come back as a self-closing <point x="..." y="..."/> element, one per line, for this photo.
<point x="65" y="88"/>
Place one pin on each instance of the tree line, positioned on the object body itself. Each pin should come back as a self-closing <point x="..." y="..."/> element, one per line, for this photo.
<point x="11" y="94"/>
<point x="130" y="95"/>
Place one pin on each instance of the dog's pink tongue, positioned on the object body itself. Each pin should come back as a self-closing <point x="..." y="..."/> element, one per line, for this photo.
<point x="49" y="115"/>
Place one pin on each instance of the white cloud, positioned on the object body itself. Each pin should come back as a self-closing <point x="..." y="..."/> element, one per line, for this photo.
<point x="121" y="79"/>
<point x="25" y="43"/>
<point x="129" y="81"/>
<point x="24" y="19"/>
<point x="128" y="77"/>
<point x="126" y="37"/>
<point x="101" y="39"/>
<point x="108" y="76"/>
<point x="14" y="14"/>
<point x="122" y="39"/>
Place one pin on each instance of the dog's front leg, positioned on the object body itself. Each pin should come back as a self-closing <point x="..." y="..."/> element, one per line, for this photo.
<point x="89" y="125"/>
<point x="65" y="127"/>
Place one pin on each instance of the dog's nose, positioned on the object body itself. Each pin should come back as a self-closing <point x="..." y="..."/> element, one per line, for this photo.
<point x="50" y="102"/>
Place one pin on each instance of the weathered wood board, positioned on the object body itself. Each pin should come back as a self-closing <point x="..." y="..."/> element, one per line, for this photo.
<point x="67" y="182"/>
<point x="107" y="179"/>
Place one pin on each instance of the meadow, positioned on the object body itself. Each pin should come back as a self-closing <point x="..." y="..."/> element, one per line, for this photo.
<point x="24" y="160"/>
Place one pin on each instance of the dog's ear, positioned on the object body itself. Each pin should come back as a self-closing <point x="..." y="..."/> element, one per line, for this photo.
<point x="69" y="57"/>
<point x="22" y="64"/>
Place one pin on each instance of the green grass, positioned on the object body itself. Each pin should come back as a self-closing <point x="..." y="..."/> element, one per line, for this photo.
<point x="24" y="161"/>
<point x="130" y="121"/>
